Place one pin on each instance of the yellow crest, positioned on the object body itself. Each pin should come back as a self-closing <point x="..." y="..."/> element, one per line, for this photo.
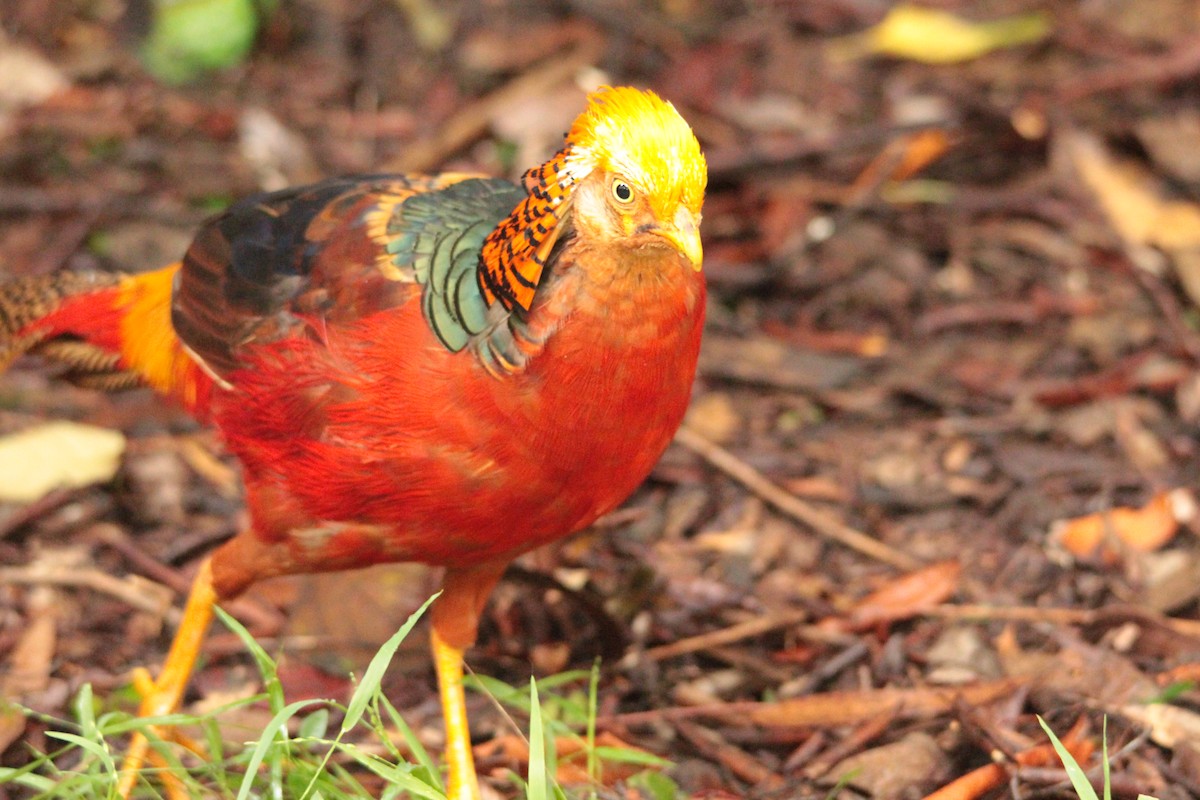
<point x="641" y="136"/>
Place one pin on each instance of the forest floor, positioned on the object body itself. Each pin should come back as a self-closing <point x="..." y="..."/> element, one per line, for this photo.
<point x="940" y="468"/>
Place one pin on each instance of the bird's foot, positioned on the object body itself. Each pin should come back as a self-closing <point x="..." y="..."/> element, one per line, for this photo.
<point x="162" y="696"/>
<point x="159" y="698"/>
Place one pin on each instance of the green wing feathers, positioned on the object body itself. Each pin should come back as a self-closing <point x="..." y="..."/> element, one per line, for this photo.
<point x="438" y="235"/>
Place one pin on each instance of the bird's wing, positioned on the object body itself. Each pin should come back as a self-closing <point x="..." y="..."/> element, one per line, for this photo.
<point x="292" y="263"/>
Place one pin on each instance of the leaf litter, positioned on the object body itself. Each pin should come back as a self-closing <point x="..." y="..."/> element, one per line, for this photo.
<point x="938" y="473"/>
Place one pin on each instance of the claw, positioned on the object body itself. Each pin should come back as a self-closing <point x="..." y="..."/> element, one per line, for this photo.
<point x="163" y="695"/>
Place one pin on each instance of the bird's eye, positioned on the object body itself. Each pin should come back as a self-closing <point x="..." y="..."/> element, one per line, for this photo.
<point x="622" y="191"/>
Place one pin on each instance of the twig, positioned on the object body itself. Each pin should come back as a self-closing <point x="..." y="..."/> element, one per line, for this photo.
<point x="710" y="639"/>
<point x="1179" y="62"/>
<point x="139" y="593"/>
<point x="262" y="619"/>
<point x="791" y="505"/>
<point x="472" y="121"/>
<point x="1172" y="313"/>
<point x="1064" y="616"/>
<point x="38" y="508"/>
<point x="832" y="709"/>
<point x="858" y="740"/>
<point x="712" y="745"/>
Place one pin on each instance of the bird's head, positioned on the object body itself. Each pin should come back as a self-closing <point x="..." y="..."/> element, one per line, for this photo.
<point x="640" y="173"/>
<point x="630" y="179"/>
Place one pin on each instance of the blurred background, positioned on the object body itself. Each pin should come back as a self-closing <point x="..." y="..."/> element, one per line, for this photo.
<point x="940" y="467"/>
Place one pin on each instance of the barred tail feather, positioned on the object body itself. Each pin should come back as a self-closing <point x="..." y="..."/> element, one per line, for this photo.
<point x="110" y="330"/>
<point x="26" y="303"/>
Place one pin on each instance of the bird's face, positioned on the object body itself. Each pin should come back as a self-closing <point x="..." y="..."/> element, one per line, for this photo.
<point x="622" y="212"/>
<point x="642" y="176"/>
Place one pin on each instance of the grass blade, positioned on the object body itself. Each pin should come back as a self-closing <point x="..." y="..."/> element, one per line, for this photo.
<point x="538" y="786"/>
<point x="593" y="763"/>
<point x="267" y="739"/>
<point x="374" y="675"/>
<point x="414" y="744"/>
<point x="1078" y="779"/>
<point x="266" y="664"/>
<point x="396" y="775"/>
<point x="94" y="748"/>
<point x="1104" y="757"/>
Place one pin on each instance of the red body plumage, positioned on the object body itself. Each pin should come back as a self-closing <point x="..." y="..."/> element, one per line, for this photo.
<point x="431" y="458"/>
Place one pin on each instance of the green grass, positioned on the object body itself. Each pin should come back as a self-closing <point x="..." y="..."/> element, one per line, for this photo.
<point x="1079" y="780"/>
<point x="301" y="753"/>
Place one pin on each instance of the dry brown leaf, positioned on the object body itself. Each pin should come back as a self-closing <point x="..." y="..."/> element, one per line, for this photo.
<point x="1143" y="529"/>
<point x="914" y="763"/>
<point x="714" y="416"/>
<point x="572" y="767"/>
<point x="1099" y="675"/>
<point x="849" y="708"/>
<point x="1172" y="139"/>
<point x="904" y="158"/>
<point x="906" y="596"/>
<point x="979" y="782"/>
<point x="29" y="662"/>
<point x="1168" y="725"/>
<point x="29" y="78"/>
<point x="1132" y="200"/>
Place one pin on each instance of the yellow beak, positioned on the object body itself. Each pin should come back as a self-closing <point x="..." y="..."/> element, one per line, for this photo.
<point x="685" y="236"/>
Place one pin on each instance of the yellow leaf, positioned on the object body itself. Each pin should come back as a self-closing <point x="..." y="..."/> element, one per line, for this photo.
<point x="1132" y="201"/>
<point x="56" y="455"/>
<point x="937" y="37"/>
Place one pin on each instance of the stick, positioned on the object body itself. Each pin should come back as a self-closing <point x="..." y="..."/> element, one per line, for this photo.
<point x="791" y="505"/>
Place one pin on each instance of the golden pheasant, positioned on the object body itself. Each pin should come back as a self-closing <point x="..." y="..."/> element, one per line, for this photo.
<point x="449" y="369"/>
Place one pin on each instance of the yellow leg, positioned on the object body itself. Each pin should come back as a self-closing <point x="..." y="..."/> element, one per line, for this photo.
<point x="455" y="622"/>
<point x="460" y="763"/>
<point x="163" y="696"/>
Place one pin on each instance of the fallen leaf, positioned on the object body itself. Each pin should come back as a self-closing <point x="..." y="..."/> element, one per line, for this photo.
<point x="937" y="37"/>
<point x="1171" y="579"/>
<point x="29" y="662"/>
<point x="911" y="764"/>
<point x="834" y="709"/>
<point x="714" y="416"/>
<point x="29" y="78"/>
<point x="1143" y="529"/>
<point x="188" y="39"/>
<point x="279" y="155"/>
<point x="1078" y="671"/>
<point x="903" y="158"/>
<point x="57" y="455"/>
<point x="979" y="782"/>
<point x="906" y="596"/>
<point x="960" y="655"/>
<point x="1168" y="725"/>
<point x="1172" y="139"/>
<point x="619" y="759"/>
<point x="1130" y="198"/>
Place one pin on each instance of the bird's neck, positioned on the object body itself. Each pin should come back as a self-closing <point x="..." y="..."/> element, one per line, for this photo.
<point x="607" y="297"/>
<point x="516" y="252"/>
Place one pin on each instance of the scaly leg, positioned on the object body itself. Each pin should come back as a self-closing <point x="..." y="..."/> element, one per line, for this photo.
<point x="455" y="623"/>
<point x="163" y="696"/>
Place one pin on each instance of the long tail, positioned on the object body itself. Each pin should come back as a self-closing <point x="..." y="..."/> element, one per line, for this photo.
<point x="110" y="330"/>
